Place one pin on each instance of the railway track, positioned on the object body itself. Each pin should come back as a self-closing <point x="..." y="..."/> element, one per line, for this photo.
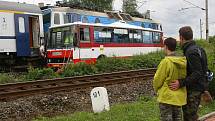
<point x="16" y="90"/>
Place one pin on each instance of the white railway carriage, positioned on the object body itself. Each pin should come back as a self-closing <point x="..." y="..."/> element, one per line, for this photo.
<point x="21" y="32"/>
<point x="85" y="42"/>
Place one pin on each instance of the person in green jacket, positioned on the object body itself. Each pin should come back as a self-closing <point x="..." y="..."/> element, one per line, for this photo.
<point x="170" y="68"/>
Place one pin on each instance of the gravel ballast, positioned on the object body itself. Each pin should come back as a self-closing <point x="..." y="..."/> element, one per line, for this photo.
<point x="27" y="108"/>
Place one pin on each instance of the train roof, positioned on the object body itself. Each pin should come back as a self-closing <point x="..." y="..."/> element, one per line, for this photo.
<point x="94" y="13"/>
<point x="113" y="25"/>
<point x="20" y="7"/>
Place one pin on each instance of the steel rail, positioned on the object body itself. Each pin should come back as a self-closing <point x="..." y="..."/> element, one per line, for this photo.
<point x="15" y="90"/>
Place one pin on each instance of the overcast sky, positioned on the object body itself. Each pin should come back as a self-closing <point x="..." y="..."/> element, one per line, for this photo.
<point x="168" y="14"/>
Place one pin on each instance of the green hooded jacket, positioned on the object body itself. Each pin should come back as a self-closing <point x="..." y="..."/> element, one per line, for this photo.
<point x="170" y="68"/>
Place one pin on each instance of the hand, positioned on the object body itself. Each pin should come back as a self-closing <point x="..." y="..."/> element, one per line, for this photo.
<point x="174" y="85"/>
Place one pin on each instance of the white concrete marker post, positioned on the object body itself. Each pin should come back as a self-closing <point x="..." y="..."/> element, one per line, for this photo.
<point x="99" y="98"/>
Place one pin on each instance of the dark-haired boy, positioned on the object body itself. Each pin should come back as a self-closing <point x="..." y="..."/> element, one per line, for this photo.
<point x="170" y="68"/>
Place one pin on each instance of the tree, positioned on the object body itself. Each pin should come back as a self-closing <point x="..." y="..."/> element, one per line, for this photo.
<point x="97" y="5"/>
<point x="129" y="6"/>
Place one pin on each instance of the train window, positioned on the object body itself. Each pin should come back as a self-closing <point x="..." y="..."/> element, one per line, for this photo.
<point x="157" y="26"/>
<point x="58" y="39"/>
<point x="84" y="35"/>
<point x="66" y="18"/>
<point x="21" y="25"/>
<point x="121" y="35"/>
<point x="150" y="26"/>
<point x="85" y="19"/>
<point x="156" y="37"/>
<point x="97" y="20"/>
<point x="147" y="37"/>
<point x="154" y="26"/>
<point x="131" y="36"/>
<point x="135" y="36"/>
<point x="46" y="18"/>
<point x="56" y="18"/>
<point x="143" y="25"/>
<point x="96" y="34"/>
<point x="75" y="17"/>
<point x="61" y="38"/>
<point x="103" y="35"/>
<point x="52" y="40"/>
<point x="67" y="38"/>
<point x="151" y="37"/>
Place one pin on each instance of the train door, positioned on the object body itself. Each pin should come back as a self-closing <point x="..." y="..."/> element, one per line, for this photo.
<point x="85" y="43"/>
<point x="22" y="34"/>
<point x="34" y="31"/>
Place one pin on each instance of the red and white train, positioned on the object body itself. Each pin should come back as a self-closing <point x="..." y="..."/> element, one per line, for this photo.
<point x="86" y="42"/>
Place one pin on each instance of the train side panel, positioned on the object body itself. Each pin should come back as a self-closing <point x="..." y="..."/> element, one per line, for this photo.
<point x="7" y="33"/>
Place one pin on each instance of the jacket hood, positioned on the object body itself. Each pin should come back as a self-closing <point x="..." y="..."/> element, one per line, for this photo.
<point x="178" y="61"/>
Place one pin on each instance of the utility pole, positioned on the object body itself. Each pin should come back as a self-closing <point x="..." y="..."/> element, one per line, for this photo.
<point x="206" y="15"/>
<point x="201" y="28"/>
<point x="206" y="10"/>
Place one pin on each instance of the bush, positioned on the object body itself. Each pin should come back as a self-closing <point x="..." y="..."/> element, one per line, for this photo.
<point x="6" y="78"/>
<point x="150" y="60"/>
<point x="107" y="65"/>
<point x="36" y="74"/>
<point x="113" y="64"/>
<point x="210" y="50"/>
<point x="11" y="77"/>
<point x="212" y="39"/>
<point x="78" y="70"/>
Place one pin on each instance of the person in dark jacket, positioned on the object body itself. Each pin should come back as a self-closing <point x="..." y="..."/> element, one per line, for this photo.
<point x="195" y="79"/>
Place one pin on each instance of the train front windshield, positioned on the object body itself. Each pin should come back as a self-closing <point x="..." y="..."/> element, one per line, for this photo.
<point x="61" y="37"/>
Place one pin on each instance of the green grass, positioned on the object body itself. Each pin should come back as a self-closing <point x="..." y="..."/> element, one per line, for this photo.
<point x="205" y="109"/>
<point x="10" y="78"/>
<point x="146" y="109"/>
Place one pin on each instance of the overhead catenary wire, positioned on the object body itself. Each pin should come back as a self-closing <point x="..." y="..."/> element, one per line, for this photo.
<point x="206" y="12"/>
<point x="143" y="2"/>
<point x="194" y="4"/>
